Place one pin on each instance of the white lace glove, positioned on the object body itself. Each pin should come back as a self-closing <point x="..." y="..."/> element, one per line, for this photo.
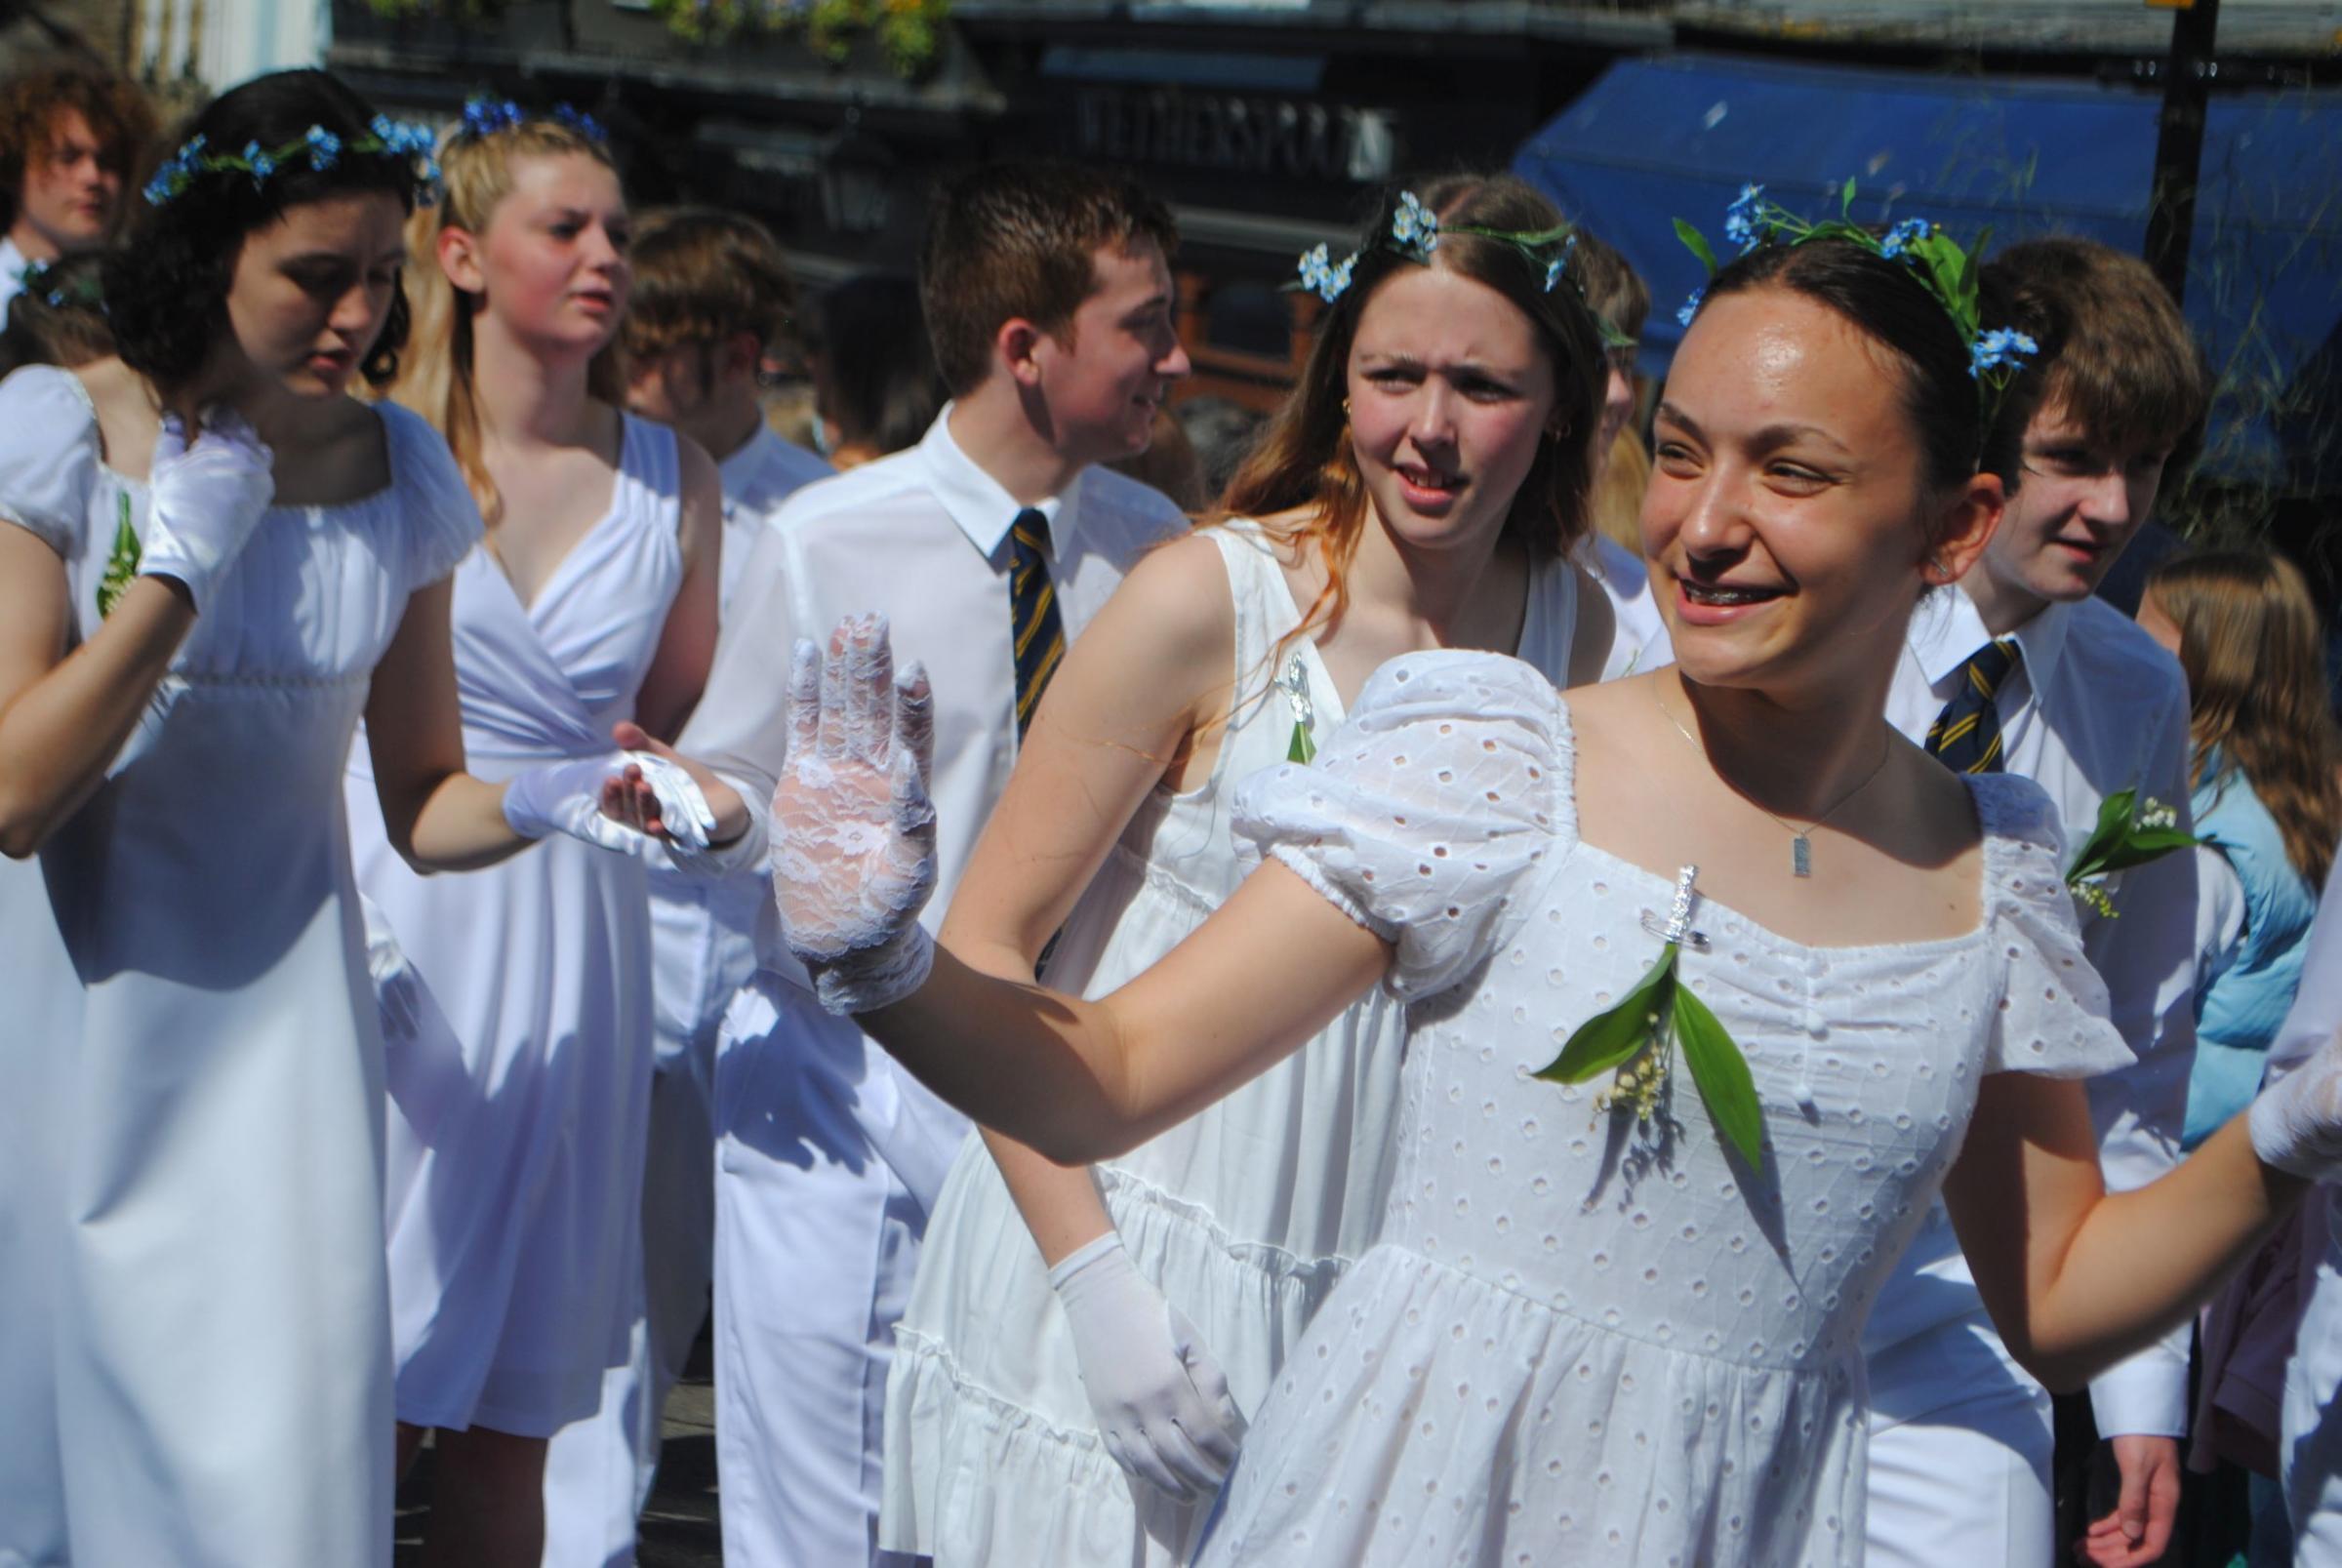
<point x="1161" y="1401"/>
<point x="204" y="500"/>
<point x="853" y="830"/>
<point x="566" y="798"/>
<point x="2296" y="1121"/>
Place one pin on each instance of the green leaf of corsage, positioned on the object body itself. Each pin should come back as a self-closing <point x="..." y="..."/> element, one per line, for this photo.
<point x="1295" y="684"/>
<point x="121" y="562"/>
<point x="1635" y="1041"/>
<point x="2130" y="831"/>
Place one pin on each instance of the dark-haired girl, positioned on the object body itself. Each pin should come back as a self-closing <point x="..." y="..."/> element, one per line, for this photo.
<point x="1618" y="1320"/>
<point x="219" y="560"/>
<point x="1422" y="490"/>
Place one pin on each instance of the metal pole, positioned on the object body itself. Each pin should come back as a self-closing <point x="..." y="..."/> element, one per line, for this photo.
<point x="2179" y="143"/>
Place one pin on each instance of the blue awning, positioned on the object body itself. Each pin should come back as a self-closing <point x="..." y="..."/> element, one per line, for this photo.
<point x="1657" y="139"/>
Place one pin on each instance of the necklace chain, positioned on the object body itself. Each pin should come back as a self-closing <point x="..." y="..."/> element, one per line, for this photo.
<point x="1801" y="846"/>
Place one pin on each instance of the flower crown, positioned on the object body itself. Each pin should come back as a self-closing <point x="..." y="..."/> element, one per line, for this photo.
<point x="1414" y="234"/>
<point x="486" y="116"/>
<point x="320" y="148"/>
<point x="1932" y="257"/>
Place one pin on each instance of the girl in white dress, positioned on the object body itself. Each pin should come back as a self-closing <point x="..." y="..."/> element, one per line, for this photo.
<point x="1422" y="488"/>
<point x="216" y="561"/>
<point x="520" y="1096"/>
<point x="1623" y="1327"/>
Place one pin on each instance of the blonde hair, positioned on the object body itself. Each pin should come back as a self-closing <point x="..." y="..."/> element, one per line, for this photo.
<point x="2250" y="642"/>
<point x="435" y="373"/>
<point x="1618" y="491"/>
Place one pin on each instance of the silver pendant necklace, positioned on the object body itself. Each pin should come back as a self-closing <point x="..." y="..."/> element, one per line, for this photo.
<point x="1801" y="840"/>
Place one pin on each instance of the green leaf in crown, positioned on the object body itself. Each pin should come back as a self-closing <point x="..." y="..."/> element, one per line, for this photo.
<point x="2130" y="833"/>
<point x="1637" y="1040"/>
<point x="121" y="562"/>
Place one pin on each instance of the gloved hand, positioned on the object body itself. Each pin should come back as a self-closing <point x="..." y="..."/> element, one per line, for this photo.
<point x="853" y="832"/>
<point x="567" y="797"/>
<point x="2296" y="1121"/>
<point x="204" y="500"/>
<point x="1161" y="1401"/>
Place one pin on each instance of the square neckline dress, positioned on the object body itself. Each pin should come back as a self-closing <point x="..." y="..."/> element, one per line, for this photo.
<point x="206" y="1221"/>
<point x="1554" y="1354"/>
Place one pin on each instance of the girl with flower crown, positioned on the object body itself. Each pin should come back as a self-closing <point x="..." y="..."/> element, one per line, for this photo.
<point x="1712" y="982"/>
<point x="216" y="561"/>
<point x="1080" y="1346"/>
<point x="520" y="1067"/>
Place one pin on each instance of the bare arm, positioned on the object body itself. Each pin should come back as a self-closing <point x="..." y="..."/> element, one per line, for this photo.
<point x="1084" y="1080"/>
<point x="678" y="672"/>
<point x="64" y="717"/>
<point x="2082" y="1277"/>
<point x="436" y="816"/>
<point x="1152" y="670"/>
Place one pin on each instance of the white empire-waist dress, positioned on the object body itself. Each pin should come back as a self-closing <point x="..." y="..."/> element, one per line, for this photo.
<point x="520" y="1067"/>
<point x="196" y="1039"/>
<point x="1244" y="1215"/>
<point x="1554" y="1356"/>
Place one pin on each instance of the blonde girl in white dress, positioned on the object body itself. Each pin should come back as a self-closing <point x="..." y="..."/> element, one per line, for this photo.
<point x="1585" y="1333"/>
<point x="215" y="561"/>
<point x="520" y="1055"/>
<point x="1422" y="490"/>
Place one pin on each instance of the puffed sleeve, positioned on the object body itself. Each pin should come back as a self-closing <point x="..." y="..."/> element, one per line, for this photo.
<point x="49" y="454"/>
<point x="1425" y="812"/>
<point x="442" y="520"/>
<point x="2052" y="1015"/>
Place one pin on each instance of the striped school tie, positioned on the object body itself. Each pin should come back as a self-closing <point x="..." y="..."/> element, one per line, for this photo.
<point x="1039" y="634"/>
<point x="1967" y="734"/>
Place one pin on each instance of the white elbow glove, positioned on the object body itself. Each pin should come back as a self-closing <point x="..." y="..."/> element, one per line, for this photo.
<point x="1161" y="1401"/>
<point x="566" y="798"/>
<point x="2296" y="1121"/>
<point x="853" y="832"/>
<point x="204" y="500"/>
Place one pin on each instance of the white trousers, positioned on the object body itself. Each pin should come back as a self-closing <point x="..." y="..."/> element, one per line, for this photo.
<point x="1961" y="1446"/>
<point x="598" y="1472"/>
<point x="829" y="1161"/>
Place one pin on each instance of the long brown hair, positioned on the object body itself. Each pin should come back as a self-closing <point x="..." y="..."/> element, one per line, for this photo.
<point x="435" y="375"/>
<point x="1304" y="458"/>
<point x="2253" y="650"/>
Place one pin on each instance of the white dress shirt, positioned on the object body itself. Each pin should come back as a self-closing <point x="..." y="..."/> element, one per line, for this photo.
<point x="13" y="263"/>
<point x="761" y="473"/>
<point x="2094" y="706"/>
<point x="922" y="537"/>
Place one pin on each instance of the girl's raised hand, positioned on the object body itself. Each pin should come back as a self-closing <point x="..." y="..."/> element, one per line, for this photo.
<point x="853" y="830"/>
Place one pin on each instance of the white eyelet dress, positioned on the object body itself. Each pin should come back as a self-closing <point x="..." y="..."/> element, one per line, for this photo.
<point x="1244" y="1215"/>
<point x="191" y="1246"/>
<point x="1554" y="1354"/>
<point x="520" y="1067"/>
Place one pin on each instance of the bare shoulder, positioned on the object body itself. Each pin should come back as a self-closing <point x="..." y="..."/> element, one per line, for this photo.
<point x="128" y="419"/>
<point x="1180" y="591"/>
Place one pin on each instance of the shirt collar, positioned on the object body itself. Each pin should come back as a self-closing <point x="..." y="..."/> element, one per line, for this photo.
<point x="1943" y="638"/>
<point x="978" y="503"/>
<point x="735" y="472"/>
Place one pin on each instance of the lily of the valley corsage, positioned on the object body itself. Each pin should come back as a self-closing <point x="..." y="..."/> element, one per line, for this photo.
<point x="2130" y="833"/>
<point x="1635" y="1042"/>
<point x="121" y="562"/>
<point x="1295" y="684"/>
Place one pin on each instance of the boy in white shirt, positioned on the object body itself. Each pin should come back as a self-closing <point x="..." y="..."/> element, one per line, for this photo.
<point x="711" y="295"/>
<point x="2021" y="668"/>
<point x="1048" y="294"/>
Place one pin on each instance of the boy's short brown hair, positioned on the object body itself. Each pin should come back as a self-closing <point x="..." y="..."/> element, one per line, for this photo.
<point x="702" y="275"/>
<point x="2116" y="355"/>
<point x="1017" y="240"/>
<point x="119" y="116"/>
